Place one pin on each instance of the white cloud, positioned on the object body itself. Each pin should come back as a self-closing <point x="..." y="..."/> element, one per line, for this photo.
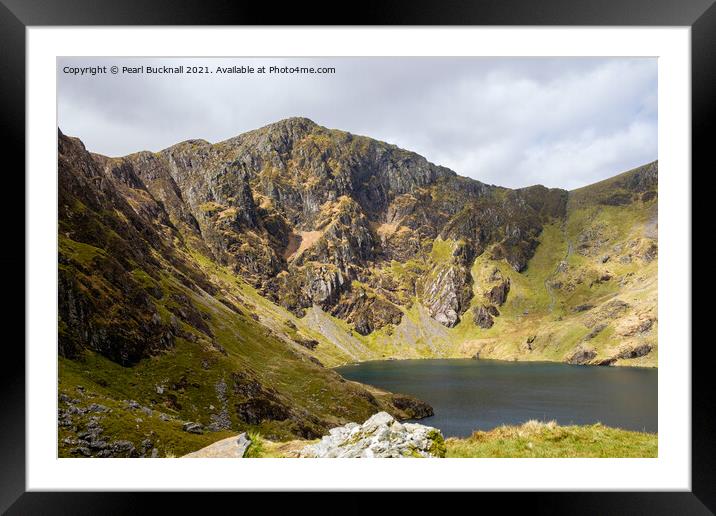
<point x="514" y="122"/>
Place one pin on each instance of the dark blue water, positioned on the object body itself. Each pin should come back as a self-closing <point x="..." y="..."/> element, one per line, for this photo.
<point x="469" y="395"/>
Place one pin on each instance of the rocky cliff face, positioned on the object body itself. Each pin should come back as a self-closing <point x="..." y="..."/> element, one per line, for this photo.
<point x="303" y="213"/>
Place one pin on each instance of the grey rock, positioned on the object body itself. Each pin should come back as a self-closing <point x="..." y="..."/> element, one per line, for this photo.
<point x="482" y="317"/>
<point x="122" y="448"/>
<point x="447" y="294"/>
<point x="231" y="447"/>
<point x="581" y="355"/>
<point x="636" y="351"/>
<point x="498" y="294"/>
<point x="379" y="436"/>
<point x="595" y="331"/>
<point x="193" y="428"/>
<point x="583" y="308"/>
<point x="96" y="407"/>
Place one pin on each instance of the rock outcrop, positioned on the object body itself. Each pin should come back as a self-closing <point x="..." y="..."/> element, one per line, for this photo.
<point x="381" y="436"/>
<point x="581" y="355"/>
<point x="483" y="315"/>
<point x="498" y="294"/>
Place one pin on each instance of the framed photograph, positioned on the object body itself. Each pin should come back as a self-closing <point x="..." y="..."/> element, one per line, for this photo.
<point x="255" y="251"/>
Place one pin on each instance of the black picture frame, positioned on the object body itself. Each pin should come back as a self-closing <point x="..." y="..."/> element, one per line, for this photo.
<point x="17" y="15"/>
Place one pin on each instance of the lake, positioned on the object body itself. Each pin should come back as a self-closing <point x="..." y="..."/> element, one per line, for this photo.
<point x="469" y="395"/>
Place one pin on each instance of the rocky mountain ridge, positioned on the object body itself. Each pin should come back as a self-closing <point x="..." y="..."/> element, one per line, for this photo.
<point x="303" y="212"/>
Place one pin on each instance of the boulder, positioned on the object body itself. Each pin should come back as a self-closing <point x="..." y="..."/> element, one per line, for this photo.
<point x="232" y="447"/>
<point x="193" y="428"/>
<point x="380" y="436"/>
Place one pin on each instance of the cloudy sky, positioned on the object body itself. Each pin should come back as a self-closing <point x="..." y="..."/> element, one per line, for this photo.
<point x="560" y="122"/>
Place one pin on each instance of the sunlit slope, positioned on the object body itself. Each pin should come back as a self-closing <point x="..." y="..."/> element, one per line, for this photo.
<point x="588" y="295"/>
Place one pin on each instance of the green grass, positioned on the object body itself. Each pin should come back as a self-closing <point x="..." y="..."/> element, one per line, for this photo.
<point x="79" y="252"/>
<point x="87" y="382"/>
<point x="256" y="448"/>
<point x="442" y="251"/>
<point x="549" y="440"/>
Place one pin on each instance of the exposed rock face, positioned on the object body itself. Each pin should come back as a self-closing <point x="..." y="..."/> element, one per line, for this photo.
<point x="482" y="315"/>
<point x="627" y="352"/>
<point x="635" y="325"/>
<point x="581" y="355"/>
<point x="606" y="312"/>
<point x="498" y="295"/>
<point x="366" y="311"/>
<point x="380" y="436"/>
<point x="415" y="408"/>
<point x="246" y="201"/>
<point x="634" y="351"/>
<point x="448" y="294"/>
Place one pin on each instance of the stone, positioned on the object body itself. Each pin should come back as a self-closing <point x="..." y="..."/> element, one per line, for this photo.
<point x="583" y="308"/>
<point x="381" y="436"/>
<point x="193" y="428"/>
<point x="581" y="355"/>
<point x="96" y="407"/>
<point x="122" y="448"/>
<point x="595" y="331"/>
<point x="232" y="447"/>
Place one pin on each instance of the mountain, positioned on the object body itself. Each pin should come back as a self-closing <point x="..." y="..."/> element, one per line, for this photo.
<point x="215" y="283"/>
